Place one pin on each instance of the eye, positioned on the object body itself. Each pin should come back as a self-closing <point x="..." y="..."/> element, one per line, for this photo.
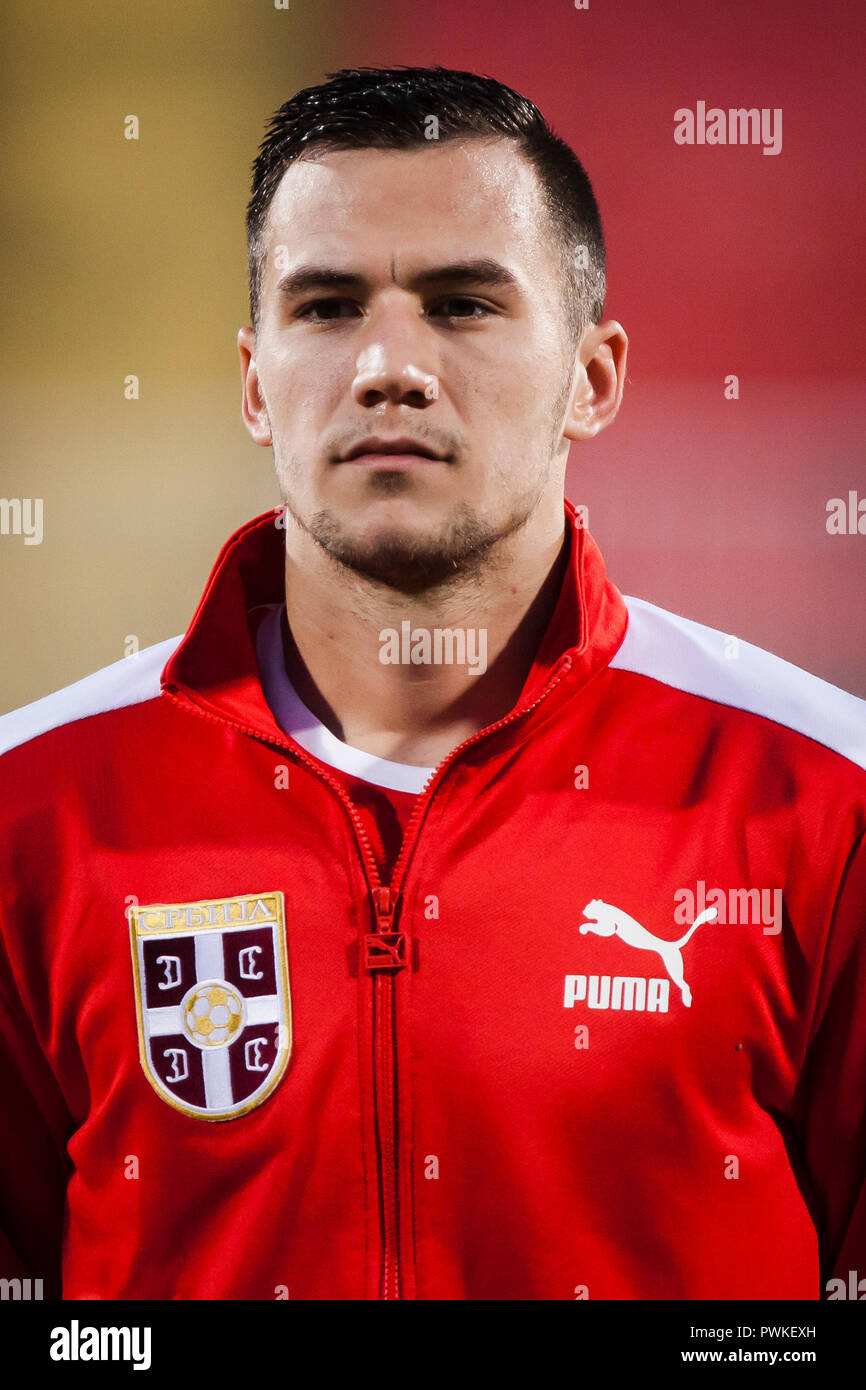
<point x="326" y="310"/>
<point x="457" y="304"/>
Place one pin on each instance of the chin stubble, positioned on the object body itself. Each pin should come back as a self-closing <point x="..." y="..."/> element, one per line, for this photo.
<point x="412" y="564"/>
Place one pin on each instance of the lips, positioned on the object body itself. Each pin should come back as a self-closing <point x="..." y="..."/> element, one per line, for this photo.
<point x="377" y="448"/>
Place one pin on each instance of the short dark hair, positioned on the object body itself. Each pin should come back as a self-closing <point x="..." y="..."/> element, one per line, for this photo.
<point x="391" y="108"/>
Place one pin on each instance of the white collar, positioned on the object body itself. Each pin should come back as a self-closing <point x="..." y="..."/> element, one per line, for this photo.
<point x="301" y="724"/>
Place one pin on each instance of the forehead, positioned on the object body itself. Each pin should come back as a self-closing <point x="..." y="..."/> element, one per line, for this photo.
<point x="473" y="197"/>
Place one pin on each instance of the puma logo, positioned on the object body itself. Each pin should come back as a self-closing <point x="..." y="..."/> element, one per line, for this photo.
<point x="606" y="920"/>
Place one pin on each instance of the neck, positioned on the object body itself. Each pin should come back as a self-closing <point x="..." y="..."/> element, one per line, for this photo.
<point x="359" y="683"/>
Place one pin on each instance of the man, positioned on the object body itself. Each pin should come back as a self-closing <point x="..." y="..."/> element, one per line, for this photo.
<point x="492" y="936"/>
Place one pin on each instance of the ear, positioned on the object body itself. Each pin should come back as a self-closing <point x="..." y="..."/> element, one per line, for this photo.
<point x="253" y="408"/>
<point x="599" y="380"/>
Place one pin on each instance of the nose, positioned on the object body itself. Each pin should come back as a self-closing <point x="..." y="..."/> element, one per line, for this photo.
<point x="394" y="364"/>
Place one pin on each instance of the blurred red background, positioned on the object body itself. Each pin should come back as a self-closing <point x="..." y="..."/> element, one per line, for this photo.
<point x="721" y="260"/>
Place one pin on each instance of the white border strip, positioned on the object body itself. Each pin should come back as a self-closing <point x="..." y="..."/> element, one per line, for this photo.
<point x="301" y="724"/>
<point x="130" y="681"/>
<point x="692" y="658"/>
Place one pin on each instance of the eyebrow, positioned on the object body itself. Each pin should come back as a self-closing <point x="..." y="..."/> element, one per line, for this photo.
<point x="481" y="271"/>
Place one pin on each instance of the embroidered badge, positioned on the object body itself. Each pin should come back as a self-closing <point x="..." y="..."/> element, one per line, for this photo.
<point x="213" y="1001"/>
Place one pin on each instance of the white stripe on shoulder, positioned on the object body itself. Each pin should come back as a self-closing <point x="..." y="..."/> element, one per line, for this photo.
<point x="702" y="661"/>
<point x="129" y="681"/>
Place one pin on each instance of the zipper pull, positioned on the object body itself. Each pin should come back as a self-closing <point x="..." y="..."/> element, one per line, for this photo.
<point x="384" y="948"/>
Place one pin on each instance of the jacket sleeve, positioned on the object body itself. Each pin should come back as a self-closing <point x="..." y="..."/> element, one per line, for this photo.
<point x="34" y="1164"/>
<point x="830" y="1109"/>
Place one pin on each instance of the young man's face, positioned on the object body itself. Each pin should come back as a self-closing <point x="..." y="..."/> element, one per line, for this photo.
<point x="476" y="371"/>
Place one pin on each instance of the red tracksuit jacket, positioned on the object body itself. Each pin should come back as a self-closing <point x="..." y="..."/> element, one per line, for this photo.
<point x="603" y="1035"/>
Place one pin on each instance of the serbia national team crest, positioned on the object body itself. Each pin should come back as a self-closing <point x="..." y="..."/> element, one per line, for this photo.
<point x="213" y="1001"/>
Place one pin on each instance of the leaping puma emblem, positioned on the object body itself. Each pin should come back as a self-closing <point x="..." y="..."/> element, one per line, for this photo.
<point x="606" y="920"/>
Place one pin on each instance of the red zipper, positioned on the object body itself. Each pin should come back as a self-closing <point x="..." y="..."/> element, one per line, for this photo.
<point x="385" y="1104"/>
<point x="385" y="954"/>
